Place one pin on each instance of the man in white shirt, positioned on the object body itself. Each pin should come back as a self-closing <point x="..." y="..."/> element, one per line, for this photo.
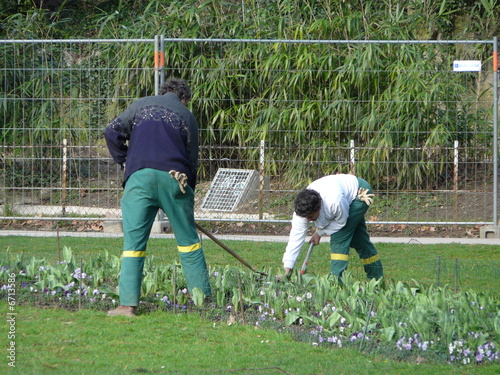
<point x="336" y="206"/>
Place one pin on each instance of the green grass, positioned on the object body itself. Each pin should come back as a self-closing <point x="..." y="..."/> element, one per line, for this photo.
<point x="56" y="341"/>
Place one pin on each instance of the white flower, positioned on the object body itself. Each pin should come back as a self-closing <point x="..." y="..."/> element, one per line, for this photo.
<point x="451" y="348"/>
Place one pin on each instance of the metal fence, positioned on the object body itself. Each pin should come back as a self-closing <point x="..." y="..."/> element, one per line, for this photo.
<point x="58" y="95"/>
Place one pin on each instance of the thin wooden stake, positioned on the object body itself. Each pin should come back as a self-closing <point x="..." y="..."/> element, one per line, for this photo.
<point x="366" y="325"/>
<point x="241" y="299"/>
<point x="438" y="269"/>
<point x="81" y="282"/>
<point x="175" y="287"/>
<point x="58" y="246"/>
<point x="456" y="275"/>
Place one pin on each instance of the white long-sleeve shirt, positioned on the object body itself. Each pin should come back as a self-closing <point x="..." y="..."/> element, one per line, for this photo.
<point x="337" y="193"/>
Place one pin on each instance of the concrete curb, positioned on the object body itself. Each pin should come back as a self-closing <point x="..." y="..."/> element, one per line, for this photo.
<point x="406" y="240"/>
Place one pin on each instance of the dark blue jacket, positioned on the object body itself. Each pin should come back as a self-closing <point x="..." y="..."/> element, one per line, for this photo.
<point x="156" y="132"/>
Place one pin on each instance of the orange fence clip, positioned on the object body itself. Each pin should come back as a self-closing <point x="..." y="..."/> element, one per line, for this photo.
<point x="162" y="59"/>
<point x="156" y="60"/>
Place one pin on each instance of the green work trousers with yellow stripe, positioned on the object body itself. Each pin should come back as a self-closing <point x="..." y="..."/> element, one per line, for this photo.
<point x="146" y="191"/>
<point x="354" y="234"/>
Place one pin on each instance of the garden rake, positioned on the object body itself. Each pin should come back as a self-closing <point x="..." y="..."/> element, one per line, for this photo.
<point x="213" y="238"/>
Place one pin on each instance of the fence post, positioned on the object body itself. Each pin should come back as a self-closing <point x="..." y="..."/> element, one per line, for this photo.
<point x="495" y="131"/>
<point x="64" y="176"/>
<point x="352" y="154"/>
<point x="455" y="179"/>
<point x="261" y="184"/>
<point x="161" y="67"/>
<point x="157" y="64"/>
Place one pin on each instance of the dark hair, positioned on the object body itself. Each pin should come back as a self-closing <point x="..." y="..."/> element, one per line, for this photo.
<point x="177" y="86"/>
<point x="307" y="202"/>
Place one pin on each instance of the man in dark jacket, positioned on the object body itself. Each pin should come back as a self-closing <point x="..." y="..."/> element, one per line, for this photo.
<point x="157" y="138"/>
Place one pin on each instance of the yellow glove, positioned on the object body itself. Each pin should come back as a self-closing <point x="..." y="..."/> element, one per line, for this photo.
<point x="365" y="197"/>
<point x="181" y="179"/>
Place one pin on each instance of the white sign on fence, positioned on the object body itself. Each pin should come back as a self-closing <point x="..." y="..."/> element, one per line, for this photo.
<point x="467" y="66"/>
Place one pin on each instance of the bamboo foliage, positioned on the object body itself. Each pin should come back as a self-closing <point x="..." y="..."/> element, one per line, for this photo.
<point x="398" y="102"/>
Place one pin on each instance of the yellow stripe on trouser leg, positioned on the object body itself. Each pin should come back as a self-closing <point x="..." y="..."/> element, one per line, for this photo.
<point x="188" y="249"/>
<point x="370" y="260"/>
<point x="340" y="257"/>
<point x="338" y="264"/>
<point x="134" y="254"/>
<point x="373" y="267"/>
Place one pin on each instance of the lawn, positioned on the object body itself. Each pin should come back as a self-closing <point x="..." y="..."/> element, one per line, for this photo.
<point x="57" y="340"/>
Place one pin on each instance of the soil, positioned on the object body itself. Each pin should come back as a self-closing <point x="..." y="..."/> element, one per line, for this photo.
<point x="264" y="229"/>
<point x="469" y="205"/>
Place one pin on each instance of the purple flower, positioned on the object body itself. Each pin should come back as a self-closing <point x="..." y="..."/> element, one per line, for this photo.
<point x="79" y="275"/>
<point x="332" y="339"/>
<point x="166" y="300"/>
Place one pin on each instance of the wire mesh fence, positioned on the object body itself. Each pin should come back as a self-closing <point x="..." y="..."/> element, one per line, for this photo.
<point x="393" y="112"/>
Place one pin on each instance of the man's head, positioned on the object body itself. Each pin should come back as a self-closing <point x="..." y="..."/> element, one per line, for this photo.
<point x="179" y="87"/>
<point x="307" y="204"/>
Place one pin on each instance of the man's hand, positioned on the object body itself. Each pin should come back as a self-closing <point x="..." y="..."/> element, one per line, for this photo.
<point x="315" y="238"/>
<point x="288" y="273"/>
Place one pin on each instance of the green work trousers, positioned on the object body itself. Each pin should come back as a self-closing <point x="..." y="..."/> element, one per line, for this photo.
<point x="354" y="234"/>
<point x="146" y="191"/>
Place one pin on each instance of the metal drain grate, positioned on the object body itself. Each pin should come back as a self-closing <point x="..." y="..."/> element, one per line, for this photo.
<point x="229" y="188"/>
